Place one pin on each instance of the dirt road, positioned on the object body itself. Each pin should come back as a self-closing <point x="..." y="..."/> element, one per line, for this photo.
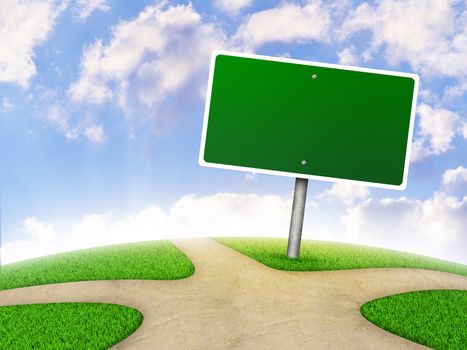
<point x="234" y="302"/>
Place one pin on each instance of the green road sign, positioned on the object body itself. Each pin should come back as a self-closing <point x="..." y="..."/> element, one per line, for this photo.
<point x="308" y="120"/>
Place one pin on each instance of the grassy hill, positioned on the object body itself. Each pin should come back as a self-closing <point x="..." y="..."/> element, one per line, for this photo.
<point x="77" y="325"/>
<point x="158" y="260"/>
<point x="83" y="325"/>
<point x="324" y="256"/>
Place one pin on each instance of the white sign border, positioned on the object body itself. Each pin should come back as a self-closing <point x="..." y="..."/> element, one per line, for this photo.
<point x="202" y="162"/>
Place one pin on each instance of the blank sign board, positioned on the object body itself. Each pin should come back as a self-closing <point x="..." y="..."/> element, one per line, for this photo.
<point x="309" y="120"/>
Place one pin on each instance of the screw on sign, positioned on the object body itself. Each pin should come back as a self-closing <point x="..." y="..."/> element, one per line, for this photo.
<point x="351" y="125"/>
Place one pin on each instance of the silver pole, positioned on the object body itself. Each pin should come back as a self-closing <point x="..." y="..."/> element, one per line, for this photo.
<point x="296" y="221"/>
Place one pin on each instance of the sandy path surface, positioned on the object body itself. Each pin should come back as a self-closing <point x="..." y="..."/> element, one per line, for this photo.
<point x="234" y="302"/>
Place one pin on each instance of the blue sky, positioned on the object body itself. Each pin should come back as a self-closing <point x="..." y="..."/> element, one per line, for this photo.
<point x="101" y="108"/>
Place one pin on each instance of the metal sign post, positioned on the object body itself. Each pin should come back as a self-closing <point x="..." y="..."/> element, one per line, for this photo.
<point x="296" y="221"/>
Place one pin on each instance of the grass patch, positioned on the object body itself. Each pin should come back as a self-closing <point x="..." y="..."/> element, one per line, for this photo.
<point x="158" y="260"/>
<point x="66" y="325"/>
<point x="324" y="256"/>
<point x="435" y="318"/>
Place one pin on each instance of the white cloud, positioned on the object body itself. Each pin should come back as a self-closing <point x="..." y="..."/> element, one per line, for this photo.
<point x="455" y="181"/>
<point x="287" y="23"/>
<point x="444" y="222"/>
<point x="455" y="176"/>
<point x="40" y="240"/>
<point x="58" y="116"/>
<point x="65" y="119"/>
<point x="91" y="86"/>
<point x="102" y="229"/>
<point x="17" y="250"/>
<point x="455" y="91"/>
<point x="388" y="222"/>
<point x="430" y="35"/>
<point x="38" y="229"/>
<point x="419" y="150"/>
<point x="163" y="50"/>
<point x="345" y="192"/>
<point x="232" y="7"/>
<point x="348" y="56"/>
<point x="226" y="214"/>
<point x="23" y="26"/>
<point x="435" y="227"/>
<point x="222" y="214"/>
<point x="437" y="130"/>
<point x="84" y="8"/>
<point x="55" y="114"/>
<point x="428" y="96"/>
<point x="95" y="133"/>
<point x="439" y="125"/>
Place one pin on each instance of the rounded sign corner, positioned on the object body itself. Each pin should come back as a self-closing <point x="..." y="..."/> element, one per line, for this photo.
<point x="402" y="186"/>
<point x="201" y="161"/>
<point x="415" y="78"/>
<point x="216" y="53"/>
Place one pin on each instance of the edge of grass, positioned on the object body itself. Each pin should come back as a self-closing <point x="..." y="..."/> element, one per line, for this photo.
<point x="67" y="325"/>
<point x="151" y="260"/>
<point x="327" y="256"/>
<point x="434" y="318"/>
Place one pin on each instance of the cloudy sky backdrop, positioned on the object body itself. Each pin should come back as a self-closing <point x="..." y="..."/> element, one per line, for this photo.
<point x="101" y="108"/>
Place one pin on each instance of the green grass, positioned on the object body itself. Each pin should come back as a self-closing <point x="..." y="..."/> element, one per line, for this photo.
<point x="323" y="256"/>
<point x="158" y="260"/>
<point x="435" y="318"/>
<point x="66" y="325"/>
